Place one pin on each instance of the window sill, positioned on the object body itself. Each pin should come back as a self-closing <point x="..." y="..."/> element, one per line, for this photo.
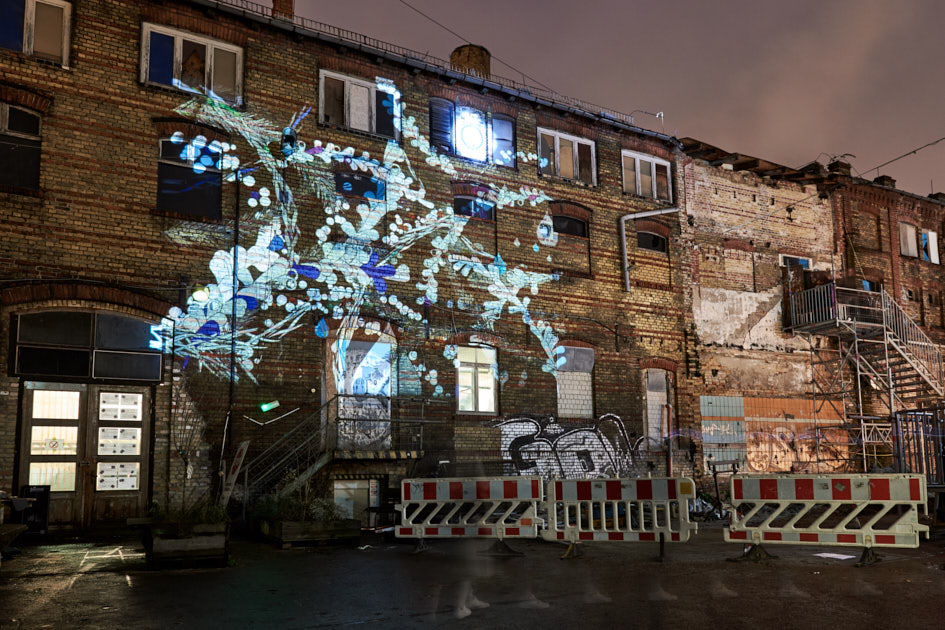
<point x="170" y="214"/>
<point x="43" y="62"/>
<point x="559" y="178"/>
<point x="23" y="192"/>
<point x="239" y="105"/>
<point x="357" y="132"/>
<point x="474" y="415"/>
<point x="569" y="273"/>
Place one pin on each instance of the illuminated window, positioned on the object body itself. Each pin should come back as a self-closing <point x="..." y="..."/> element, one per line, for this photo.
<point x="19" y="147"/>
<point x="646" y="176"/>
<point x="469" y="133"/>
<point x="575" y="385"/>
<point x="189" y="178"/>
<point x="567" y="156"/>
<point x="357" y="104"/>
<point x="569" y="225"/>
<point x="795" y="261"/>
<point x="475" y="379"/>
<point x="39" y="28"/>
<point x="653" y="242"/>
<point x="191" y="62"/>
<point x="473" y="207"/>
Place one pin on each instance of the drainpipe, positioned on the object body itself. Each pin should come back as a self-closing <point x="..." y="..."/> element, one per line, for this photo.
<point x="623" y="237"/>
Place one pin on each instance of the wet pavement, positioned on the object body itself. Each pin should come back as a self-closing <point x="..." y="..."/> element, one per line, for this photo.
<point x="107" y="584"/>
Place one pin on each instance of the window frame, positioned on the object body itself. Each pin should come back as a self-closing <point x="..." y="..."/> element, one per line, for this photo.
<point x="29" y="30"/>
<point x="474" y="199"/>
<point x="38" y="139"/>
<point x="783" y="257"/>
<point x="932" y="239"/>
<point x="179" y="35"/>
<point x="493" y="367"/>
<point x="911" y="238"/>
<point x="585" y="223"/>
<point x="492" y="142"/>
<point x="218" y="215"/>
<point x="348" y="81"/>
<point x="637" y="156"/>
<point x="664" y="240"/>
<point x="489" y="117"/>
<point x="558" y="136"/>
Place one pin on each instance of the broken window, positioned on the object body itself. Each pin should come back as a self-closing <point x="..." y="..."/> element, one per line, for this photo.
<point x="19" y="147"/>
<point x="646" y="176"/>
<point x="567" y="156"/>
<point x="39" y="28"/>
<point x="795" y="261"/>
<point x="357" y="104"/>
<point x="191" y="62"/>
<point x="929" y="244"/>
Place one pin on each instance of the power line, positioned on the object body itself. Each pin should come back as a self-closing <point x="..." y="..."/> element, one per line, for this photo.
<point x="452" y="32"/>
<point x="912" y="152"/>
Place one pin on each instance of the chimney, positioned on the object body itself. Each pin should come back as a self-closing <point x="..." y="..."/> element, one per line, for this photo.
<point x="885" y="180"/>
<point x="841" y="168"/>
<point x="938" y="197"/>
<point x="283" y="10"/>
<point x="472" y="59"/>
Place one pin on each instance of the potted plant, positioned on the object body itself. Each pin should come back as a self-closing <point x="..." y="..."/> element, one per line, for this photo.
<point x="193" y="526"/>
<point x="299" y="514"/>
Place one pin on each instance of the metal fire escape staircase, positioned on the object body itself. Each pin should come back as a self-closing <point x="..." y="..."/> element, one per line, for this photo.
<point x="880" y="361"/>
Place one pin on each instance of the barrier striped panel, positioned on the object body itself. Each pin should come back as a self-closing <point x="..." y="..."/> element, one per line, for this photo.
<point x="620" y="510"/>
<point x="850" y="510"/>
<point x="496" y="507"/>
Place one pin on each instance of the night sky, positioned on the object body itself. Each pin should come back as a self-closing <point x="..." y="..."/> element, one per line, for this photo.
<point x="784" y="81"/>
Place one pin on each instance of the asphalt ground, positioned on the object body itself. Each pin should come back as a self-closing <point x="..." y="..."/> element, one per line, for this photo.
<point x="106" y="584"/>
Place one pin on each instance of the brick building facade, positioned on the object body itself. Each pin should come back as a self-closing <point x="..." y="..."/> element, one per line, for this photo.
<point x="425" y="252"/>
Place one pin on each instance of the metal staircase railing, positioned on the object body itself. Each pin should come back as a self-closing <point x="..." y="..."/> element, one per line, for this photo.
<point x="913" y="344"/>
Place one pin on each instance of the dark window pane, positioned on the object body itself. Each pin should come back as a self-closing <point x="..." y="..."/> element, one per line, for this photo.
<point x="662" y="181"/>
<point x="441" y="126"/>
<point x="476" y="208"/>
<point x="51" y="362"/>
<point x="503" y="134"/>
<point x="183" y="191"/>
<point x="193" y="71"/>
<point x="127" y="365"/>
<point x="384" y="110"/>
<point x="360" y="186"/>
<point x="56" y="328"/>
<point x="116" y="332"/>
<point x="569" y="225"/>
<point x="546" y="151"/>
<point x="655" y="242"/>
<point x="161" y="59"/>
<point x="19" y="162"/>
<point x="334" y="101"/>
<point x="11" y="26"/>
<point x="22" y="121"/>
<point x="585" y="163"/>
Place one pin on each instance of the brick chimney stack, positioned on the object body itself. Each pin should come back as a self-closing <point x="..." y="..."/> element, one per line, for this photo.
<point x="472" y="59"/>
<point x="841" y="168"/>
<point x="283" y="9"/>
<point x="885" y="180"/>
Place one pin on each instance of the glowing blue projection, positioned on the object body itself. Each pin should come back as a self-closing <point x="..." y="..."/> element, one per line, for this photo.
<point x="326" y="277"/>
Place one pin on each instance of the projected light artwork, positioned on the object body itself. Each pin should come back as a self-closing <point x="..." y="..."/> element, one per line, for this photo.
<point x="353" y="266"/>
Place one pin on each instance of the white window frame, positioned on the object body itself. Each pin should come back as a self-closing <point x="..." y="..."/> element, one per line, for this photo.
<point x="908" y="237"/>
<point x="933" y="245"/>
<point x="179" y="35"/>
<point x="474" y="366"/>
<point x="558" y="136"/>
<point x="29" y="24"/>
<point x="349" y="81"/>
<point x="636" y="167"/>
<point x="5" y="120"/>
<point x="781" y="257"/>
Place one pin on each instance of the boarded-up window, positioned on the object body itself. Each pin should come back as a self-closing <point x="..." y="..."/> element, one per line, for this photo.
<point x="441" y="125"/>
<point x="907" y="240"/>
<point x="575" y="382"/>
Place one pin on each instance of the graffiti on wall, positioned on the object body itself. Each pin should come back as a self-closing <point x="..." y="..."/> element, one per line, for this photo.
<point x="353" y="256"/>
<point x="550" y="450"/>
<point x="779" y="447"/>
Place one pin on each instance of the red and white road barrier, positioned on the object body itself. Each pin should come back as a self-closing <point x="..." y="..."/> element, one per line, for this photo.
<point x="619" y="510"/>
<point x="852" y="510"/>
<point x="496" y="507"/>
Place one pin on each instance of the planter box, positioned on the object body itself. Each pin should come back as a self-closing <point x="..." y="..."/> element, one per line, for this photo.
<point x="171" y="544"/>
<point x="287" y="533"/>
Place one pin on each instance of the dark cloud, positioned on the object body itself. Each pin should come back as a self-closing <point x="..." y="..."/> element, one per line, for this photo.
<point x="785" y="81"/>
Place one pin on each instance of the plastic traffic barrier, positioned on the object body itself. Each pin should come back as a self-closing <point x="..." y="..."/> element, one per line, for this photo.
<point x="852" y="510"/>
<point x="495" y="507"/>
<point x="620" y="510"/>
